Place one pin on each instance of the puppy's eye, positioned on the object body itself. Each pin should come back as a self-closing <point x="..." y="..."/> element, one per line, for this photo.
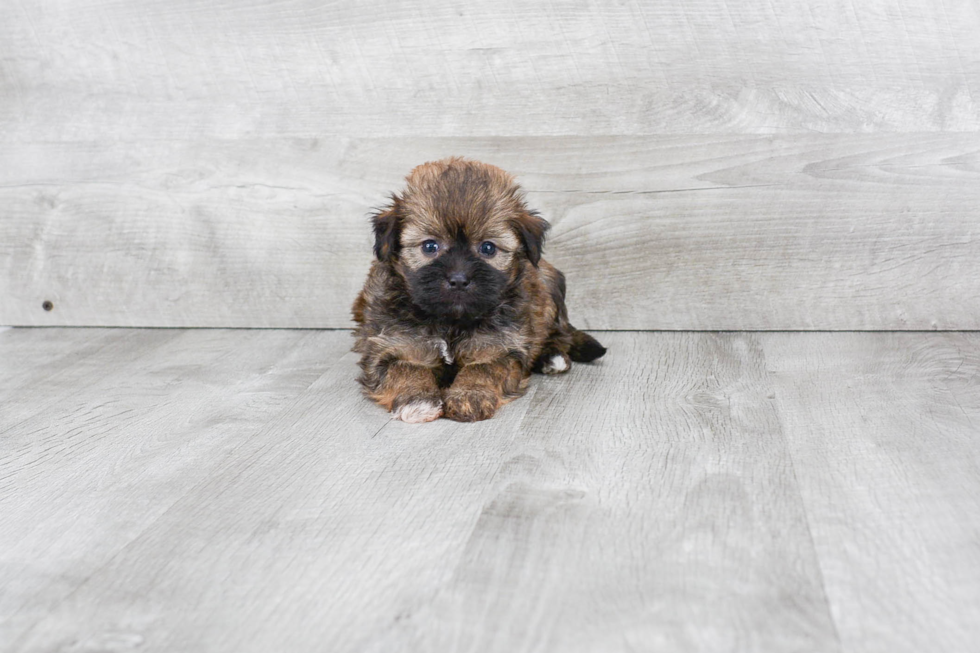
<point x="487" y="248"/>
<point x="430" y="247"/>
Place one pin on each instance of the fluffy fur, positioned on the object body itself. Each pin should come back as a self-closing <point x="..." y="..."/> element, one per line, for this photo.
<point x="459" y="307"/>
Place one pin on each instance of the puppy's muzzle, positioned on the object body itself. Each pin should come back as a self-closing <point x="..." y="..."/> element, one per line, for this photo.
<point x="458" y="280"/>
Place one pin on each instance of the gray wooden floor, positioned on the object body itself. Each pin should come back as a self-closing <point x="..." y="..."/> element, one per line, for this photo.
<point x="210" y="490"/>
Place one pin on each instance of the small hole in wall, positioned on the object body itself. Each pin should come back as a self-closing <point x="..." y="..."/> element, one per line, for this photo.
<point x="47" y="305"/>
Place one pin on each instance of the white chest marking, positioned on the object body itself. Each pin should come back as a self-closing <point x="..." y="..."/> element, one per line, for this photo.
<point x="444" y="351"/>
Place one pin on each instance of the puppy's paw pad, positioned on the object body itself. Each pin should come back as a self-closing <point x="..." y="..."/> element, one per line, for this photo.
<point x="419" y="410"/>
<point x="556" y="364"/>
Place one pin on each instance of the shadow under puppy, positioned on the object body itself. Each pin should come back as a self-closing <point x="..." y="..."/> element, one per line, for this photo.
<point x="459" y="307"/>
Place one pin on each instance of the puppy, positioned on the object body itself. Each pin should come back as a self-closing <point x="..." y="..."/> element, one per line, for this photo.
<point x="459" y="307"/>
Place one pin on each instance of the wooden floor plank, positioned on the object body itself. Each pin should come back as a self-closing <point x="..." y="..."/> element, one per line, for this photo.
<point x="643" y="501"/>
<point x="884" y="430"/>
<point x="232" y="491"/>
<point x="29" y="356"/>
<point x="55" y="381"/>
<point x="82" y="478"/>
<point x="647" y="503"/>
<point x="316" y="526"/>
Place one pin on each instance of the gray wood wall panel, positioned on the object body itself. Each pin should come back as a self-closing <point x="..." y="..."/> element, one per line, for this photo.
<point x="674" y="232"/>
<point x="761" y="166"/>
<point x="81" y="69"/>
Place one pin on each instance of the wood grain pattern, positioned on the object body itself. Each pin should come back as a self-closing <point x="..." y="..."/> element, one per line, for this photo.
<point x="232" y="491"/>
<point x="48" y="385"/>
<point x="707" y="165"/>
<point x="30" y="357"/>
<point x="304" y="492"/>
<point x="883" y="430"/>
<point x="686" y="232"/>
<point x="177" y="69"/>
<point x="113" y="442"/>
<point x="647" y="501"/>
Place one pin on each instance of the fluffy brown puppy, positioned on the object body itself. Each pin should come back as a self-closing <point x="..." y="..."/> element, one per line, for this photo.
<point x="459" y="307"/>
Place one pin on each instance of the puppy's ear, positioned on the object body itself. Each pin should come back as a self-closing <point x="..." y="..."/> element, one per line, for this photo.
<point x="531" y="227"/>
<point x="387" y="230"/>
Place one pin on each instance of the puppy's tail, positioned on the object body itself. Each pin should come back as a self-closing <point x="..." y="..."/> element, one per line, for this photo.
<point x="585" y="348"/>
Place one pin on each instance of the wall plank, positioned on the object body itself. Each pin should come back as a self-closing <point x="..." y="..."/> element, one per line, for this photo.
<point x="90" y="69"/>
<point x="820" y="231"/>
<point x="705" y="164"/>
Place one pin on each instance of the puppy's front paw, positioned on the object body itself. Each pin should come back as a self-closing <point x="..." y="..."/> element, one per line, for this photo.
<point x="471" y="405"/>
<point x="418" y="410"/>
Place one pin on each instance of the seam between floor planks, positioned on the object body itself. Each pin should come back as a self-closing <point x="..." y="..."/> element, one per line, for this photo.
<point x="799" y="493"/>
<point x="891" y="482"/>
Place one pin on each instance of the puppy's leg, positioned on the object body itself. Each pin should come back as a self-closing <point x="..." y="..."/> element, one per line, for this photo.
<point x="411" y="392"/>
<point x="564" y="347"/>
<point x="554" y="358"/>
<point x="400" y="371"/>
<point x="565" y="343"/>
<point x="553" y="362"/>
<point x="481" y="388"/>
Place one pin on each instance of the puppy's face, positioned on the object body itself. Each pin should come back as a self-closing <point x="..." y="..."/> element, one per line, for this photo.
<point x="459" y="235"/>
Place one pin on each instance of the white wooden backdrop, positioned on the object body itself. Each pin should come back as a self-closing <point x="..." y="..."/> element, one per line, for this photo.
<point x="706" y="165"/>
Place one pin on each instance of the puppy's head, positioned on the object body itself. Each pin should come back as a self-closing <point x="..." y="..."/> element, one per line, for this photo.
<point x="459" y="234"/>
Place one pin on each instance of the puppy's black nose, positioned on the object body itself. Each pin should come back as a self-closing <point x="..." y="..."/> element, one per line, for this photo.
<point x="458" y="281"/>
